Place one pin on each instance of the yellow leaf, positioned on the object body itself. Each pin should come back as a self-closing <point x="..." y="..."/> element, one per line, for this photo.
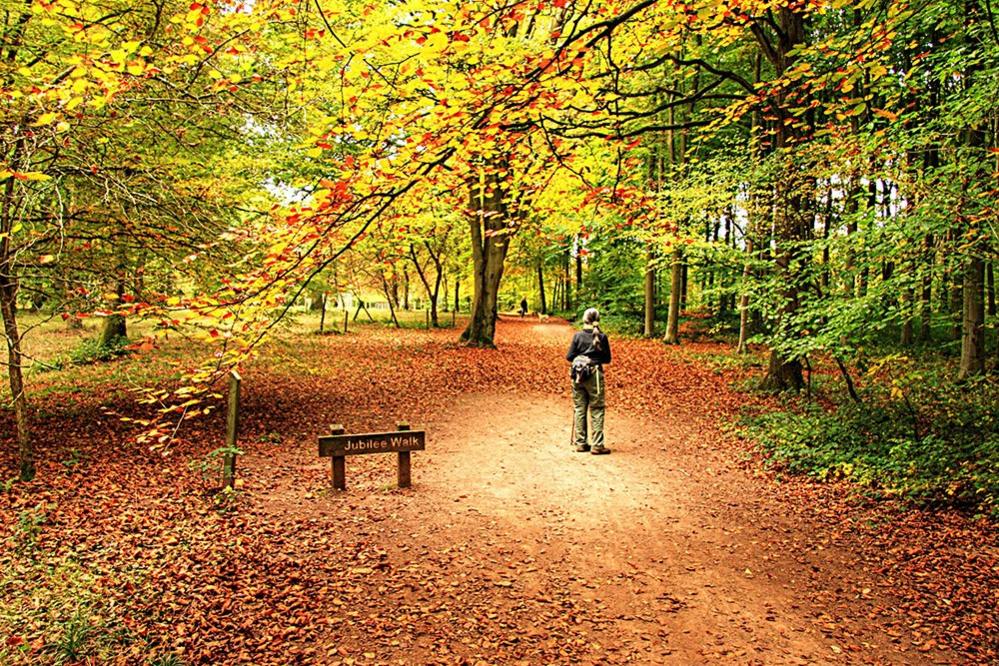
<point x="136" y="68"/>
<point x="36" y="175"/>
<point x="45" y="119"/>
<point x="884" y="113"/>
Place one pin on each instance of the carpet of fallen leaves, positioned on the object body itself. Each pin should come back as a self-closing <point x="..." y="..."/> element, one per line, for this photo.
<point x="118" y="555"/>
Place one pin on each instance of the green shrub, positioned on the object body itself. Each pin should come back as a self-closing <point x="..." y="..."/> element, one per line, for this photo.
<point x="920" y="437"/>
<point x="91" y="351"/>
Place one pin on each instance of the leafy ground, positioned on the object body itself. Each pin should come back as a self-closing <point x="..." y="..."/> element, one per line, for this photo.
<point x="678" y="548"/>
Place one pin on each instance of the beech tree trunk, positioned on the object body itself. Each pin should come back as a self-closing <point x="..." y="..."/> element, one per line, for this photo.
<point x="909" y="314"/>
<point x="387" y="290"/>
<point x="433" y="292"/>
<point x="990" y="289"/>
<point x="8" y="311"/>
<point x="541" y="288"/>
<point x="792" y="219"/>
<point x="490" y="242"/>
<point x="973" y="319"/>
<point x="925" y="332"/>
<point x="743" y="347"/>
<point x="675" y="296"/>
<point x="405" y="293"/>
<point x="684" y="282"/>
<point x="566" y="284"/>
<point x="114" y="327"/>
<point x="650" y="295"/>
<point x="579" y="268"/>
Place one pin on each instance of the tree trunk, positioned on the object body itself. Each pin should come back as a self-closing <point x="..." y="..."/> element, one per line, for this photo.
<point x="925" y="332"/>
<point x="114" y="328"/>
<point x="743" y="347"/>
<point x="434" y="297"/>
<point x="457" y="294"/>
<point x="783" y="374"/>
<point x="675" y="296"/>
<point x="15" y="375"/>
<point x="405" y="293"/>
<point x="490" y="242"/>
<point x="579" y="268"/>
<point x="973" y="319"/>
<point x="650" y="294"/>
<point x="826" y="226"/>
<point x="956" y="305"/>
<point x="909" y="314"/>
<point x="684" y="282"/>
<point x="990" y="288"/>
<point x="541" y="288"/>
<point x="792" y="220"/>
<point x="566" y="286"/>
<point x="387" y="290"/>
<point x="8" y="310"/>
<point x="723" y="296"/>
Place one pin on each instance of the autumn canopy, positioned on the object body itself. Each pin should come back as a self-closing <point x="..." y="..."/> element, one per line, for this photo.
<point x="794" y="203"/>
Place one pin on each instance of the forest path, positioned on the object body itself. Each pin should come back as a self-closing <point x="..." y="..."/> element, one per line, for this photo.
<point x="513" y="548"/>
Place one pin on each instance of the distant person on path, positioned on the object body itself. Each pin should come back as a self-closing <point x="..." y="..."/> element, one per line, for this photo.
<point x="523" y="307"/>
<point x="588" y="353"/>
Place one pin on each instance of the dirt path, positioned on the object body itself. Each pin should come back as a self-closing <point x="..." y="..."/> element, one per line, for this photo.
<point x="512" y="548"/>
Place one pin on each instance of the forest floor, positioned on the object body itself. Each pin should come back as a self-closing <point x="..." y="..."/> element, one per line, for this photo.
<point x="510" y="548"/>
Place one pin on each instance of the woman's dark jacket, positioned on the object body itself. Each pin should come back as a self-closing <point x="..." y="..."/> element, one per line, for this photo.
<point x="582" y="344"/>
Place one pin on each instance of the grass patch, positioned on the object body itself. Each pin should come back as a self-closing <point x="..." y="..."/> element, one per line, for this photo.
<point x="54" y="614"/>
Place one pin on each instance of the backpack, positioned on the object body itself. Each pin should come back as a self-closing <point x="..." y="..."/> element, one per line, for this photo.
<point x="582" y="368"/>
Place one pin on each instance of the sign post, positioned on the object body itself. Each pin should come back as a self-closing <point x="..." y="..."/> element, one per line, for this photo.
<point x="338" y="445"/>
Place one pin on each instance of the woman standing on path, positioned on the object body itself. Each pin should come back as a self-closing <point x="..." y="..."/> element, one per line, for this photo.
<point x="588" y="353"/>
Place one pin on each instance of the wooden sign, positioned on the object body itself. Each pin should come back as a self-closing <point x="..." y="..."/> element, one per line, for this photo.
<point x="372" y="442"/>
<point x="337" y="445"/>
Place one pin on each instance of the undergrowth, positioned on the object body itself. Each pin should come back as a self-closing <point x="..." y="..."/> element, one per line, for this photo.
<point x="916" y="435"/>
<point x="51" y="612"/>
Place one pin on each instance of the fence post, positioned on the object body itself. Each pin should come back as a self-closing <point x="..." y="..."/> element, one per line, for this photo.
<point x="231" y="431"/>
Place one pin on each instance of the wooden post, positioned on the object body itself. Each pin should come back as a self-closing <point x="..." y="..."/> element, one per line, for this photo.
<point x="428" y="320"/>
<point x="339" y="463"/>
<point x="404" y="462"/>
<point x="231" y="432"/>
<point x="346" y="316"/>
<point x="322" y="315"/>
